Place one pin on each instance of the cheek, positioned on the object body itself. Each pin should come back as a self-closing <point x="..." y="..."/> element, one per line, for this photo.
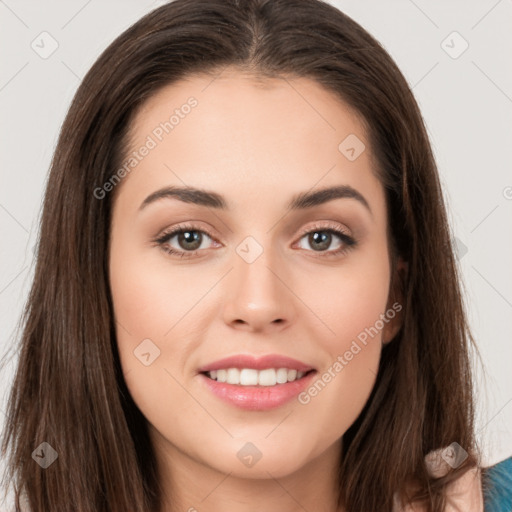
<point x="156" y="307"/>
<point x="144" y="312"/>
<point x="349" y="302"/>
<point x="352" y="304"/>
<point x="151" y="298"/>
<point x="148" y="306"/>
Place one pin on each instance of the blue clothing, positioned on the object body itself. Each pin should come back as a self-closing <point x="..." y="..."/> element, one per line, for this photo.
<point x="497" y="487"/>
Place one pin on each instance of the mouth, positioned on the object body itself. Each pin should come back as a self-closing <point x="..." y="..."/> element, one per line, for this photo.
<point x="256" y="384"/>
<point x="251" y="377"/>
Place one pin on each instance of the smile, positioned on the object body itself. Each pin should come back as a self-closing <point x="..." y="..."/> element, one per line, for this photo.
<point x="252" y="377"/>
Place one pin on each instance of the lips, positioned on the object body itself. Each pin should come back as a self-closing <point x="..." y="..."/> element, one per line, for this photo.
<point x="256" y="383"/>
<point x="241" y="361"/>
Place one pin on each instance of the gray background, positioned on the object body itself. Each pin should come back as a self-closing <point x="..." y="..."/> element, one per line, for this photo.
<point x="466" y="101"/>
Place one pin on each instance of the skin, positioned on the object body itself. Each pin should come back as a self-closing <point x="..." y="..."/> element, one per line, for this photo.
<point x="258" y="143"/>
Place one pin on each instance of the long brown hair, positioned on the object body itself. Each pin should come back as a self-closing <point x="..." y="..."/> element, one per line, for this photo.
<point x="69" y="389"/>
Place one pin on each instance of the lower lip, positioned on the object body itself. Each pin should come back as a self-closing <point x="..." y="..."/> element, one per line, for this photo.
<point x="257" y="398"/>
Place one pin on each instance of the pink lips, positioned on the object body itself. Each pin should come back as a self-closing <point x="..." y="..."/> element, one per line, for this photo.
<point x="257" y="398"/>
<point x="260" y="363"/>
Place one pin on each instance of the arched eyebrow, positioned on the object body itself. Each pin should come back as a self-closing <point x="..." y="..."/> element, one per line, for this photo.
<point x="210" y="199"/>
<point x="188" y="195"/>
<point x="310" y="199"/>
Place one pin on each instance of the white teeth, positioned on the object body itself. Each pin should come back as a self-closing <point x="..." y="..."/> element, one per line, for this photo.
<point x="248" y="377"/>
<point x="233" y="376"/>
<point x="282" y="375"/>
<point x="267" y="377"/>
<point x="251" y="377"/>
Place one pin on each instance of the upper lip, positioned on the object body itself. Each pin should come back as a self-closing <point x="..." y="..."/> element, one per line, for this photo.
<point x="257" y="363"/>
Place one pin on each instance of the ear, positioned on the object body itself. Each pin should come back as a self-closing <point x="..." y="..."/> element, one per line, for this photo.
<point x="395" y="305"/>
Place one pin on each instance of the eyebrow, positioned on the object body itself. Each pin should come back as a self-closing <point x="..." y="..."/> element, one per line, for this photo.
<point x="212" y="199"/>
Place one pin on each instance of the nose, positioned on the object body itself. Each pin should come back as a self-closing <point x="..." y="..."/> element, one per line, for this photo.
<point x="258" y="296"/>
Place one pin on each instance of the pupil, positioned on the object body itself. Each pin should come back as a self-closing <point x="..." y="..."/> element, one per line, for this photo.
<point x="190" y="237"/>
<point x="323" y="239"/>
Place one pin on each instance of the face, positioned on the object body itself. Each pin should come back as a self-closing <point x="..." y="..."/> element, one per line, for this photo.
<point x="259" y="266"/>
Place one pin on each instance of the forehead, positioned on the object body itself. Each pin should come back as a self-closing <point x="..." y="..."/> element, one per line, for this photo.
<point x="241" y="98"/>
<point x="248" y="136"/>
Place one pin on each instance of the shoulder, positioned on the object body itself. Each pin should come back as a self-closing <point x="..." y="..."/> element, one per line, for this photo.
<point x="497" y="485"/>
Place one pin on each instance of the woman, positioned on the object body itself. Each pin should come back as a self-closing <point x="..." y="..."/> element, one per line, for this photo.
<point x="313" y="356"/>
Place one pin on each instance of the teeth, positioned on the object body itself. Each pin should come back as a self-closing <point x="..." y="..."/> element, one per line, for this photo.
<point x="248" y="377"/>
<point x="251" y="377"/>
<point x="233" y="375"/>
<point x="267" y="377"/>
<point x="282" y="375"/>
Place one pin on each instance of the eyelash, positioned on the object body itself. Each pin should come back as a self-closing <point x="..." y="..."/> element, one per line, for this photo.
<point x="162" y="240"/>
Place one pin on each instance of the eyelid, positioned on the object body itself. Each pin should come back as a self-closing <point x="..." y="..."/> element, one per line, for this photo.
<point x="174" y="230"/>
<point x="329" y="225"/>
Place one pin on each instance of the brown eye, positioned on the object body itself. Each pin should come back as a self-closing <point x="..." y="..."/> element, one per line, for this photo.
<point x="189" y="240"/>
<point x="322" y="238"/>
<point x="183" y="241"/>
